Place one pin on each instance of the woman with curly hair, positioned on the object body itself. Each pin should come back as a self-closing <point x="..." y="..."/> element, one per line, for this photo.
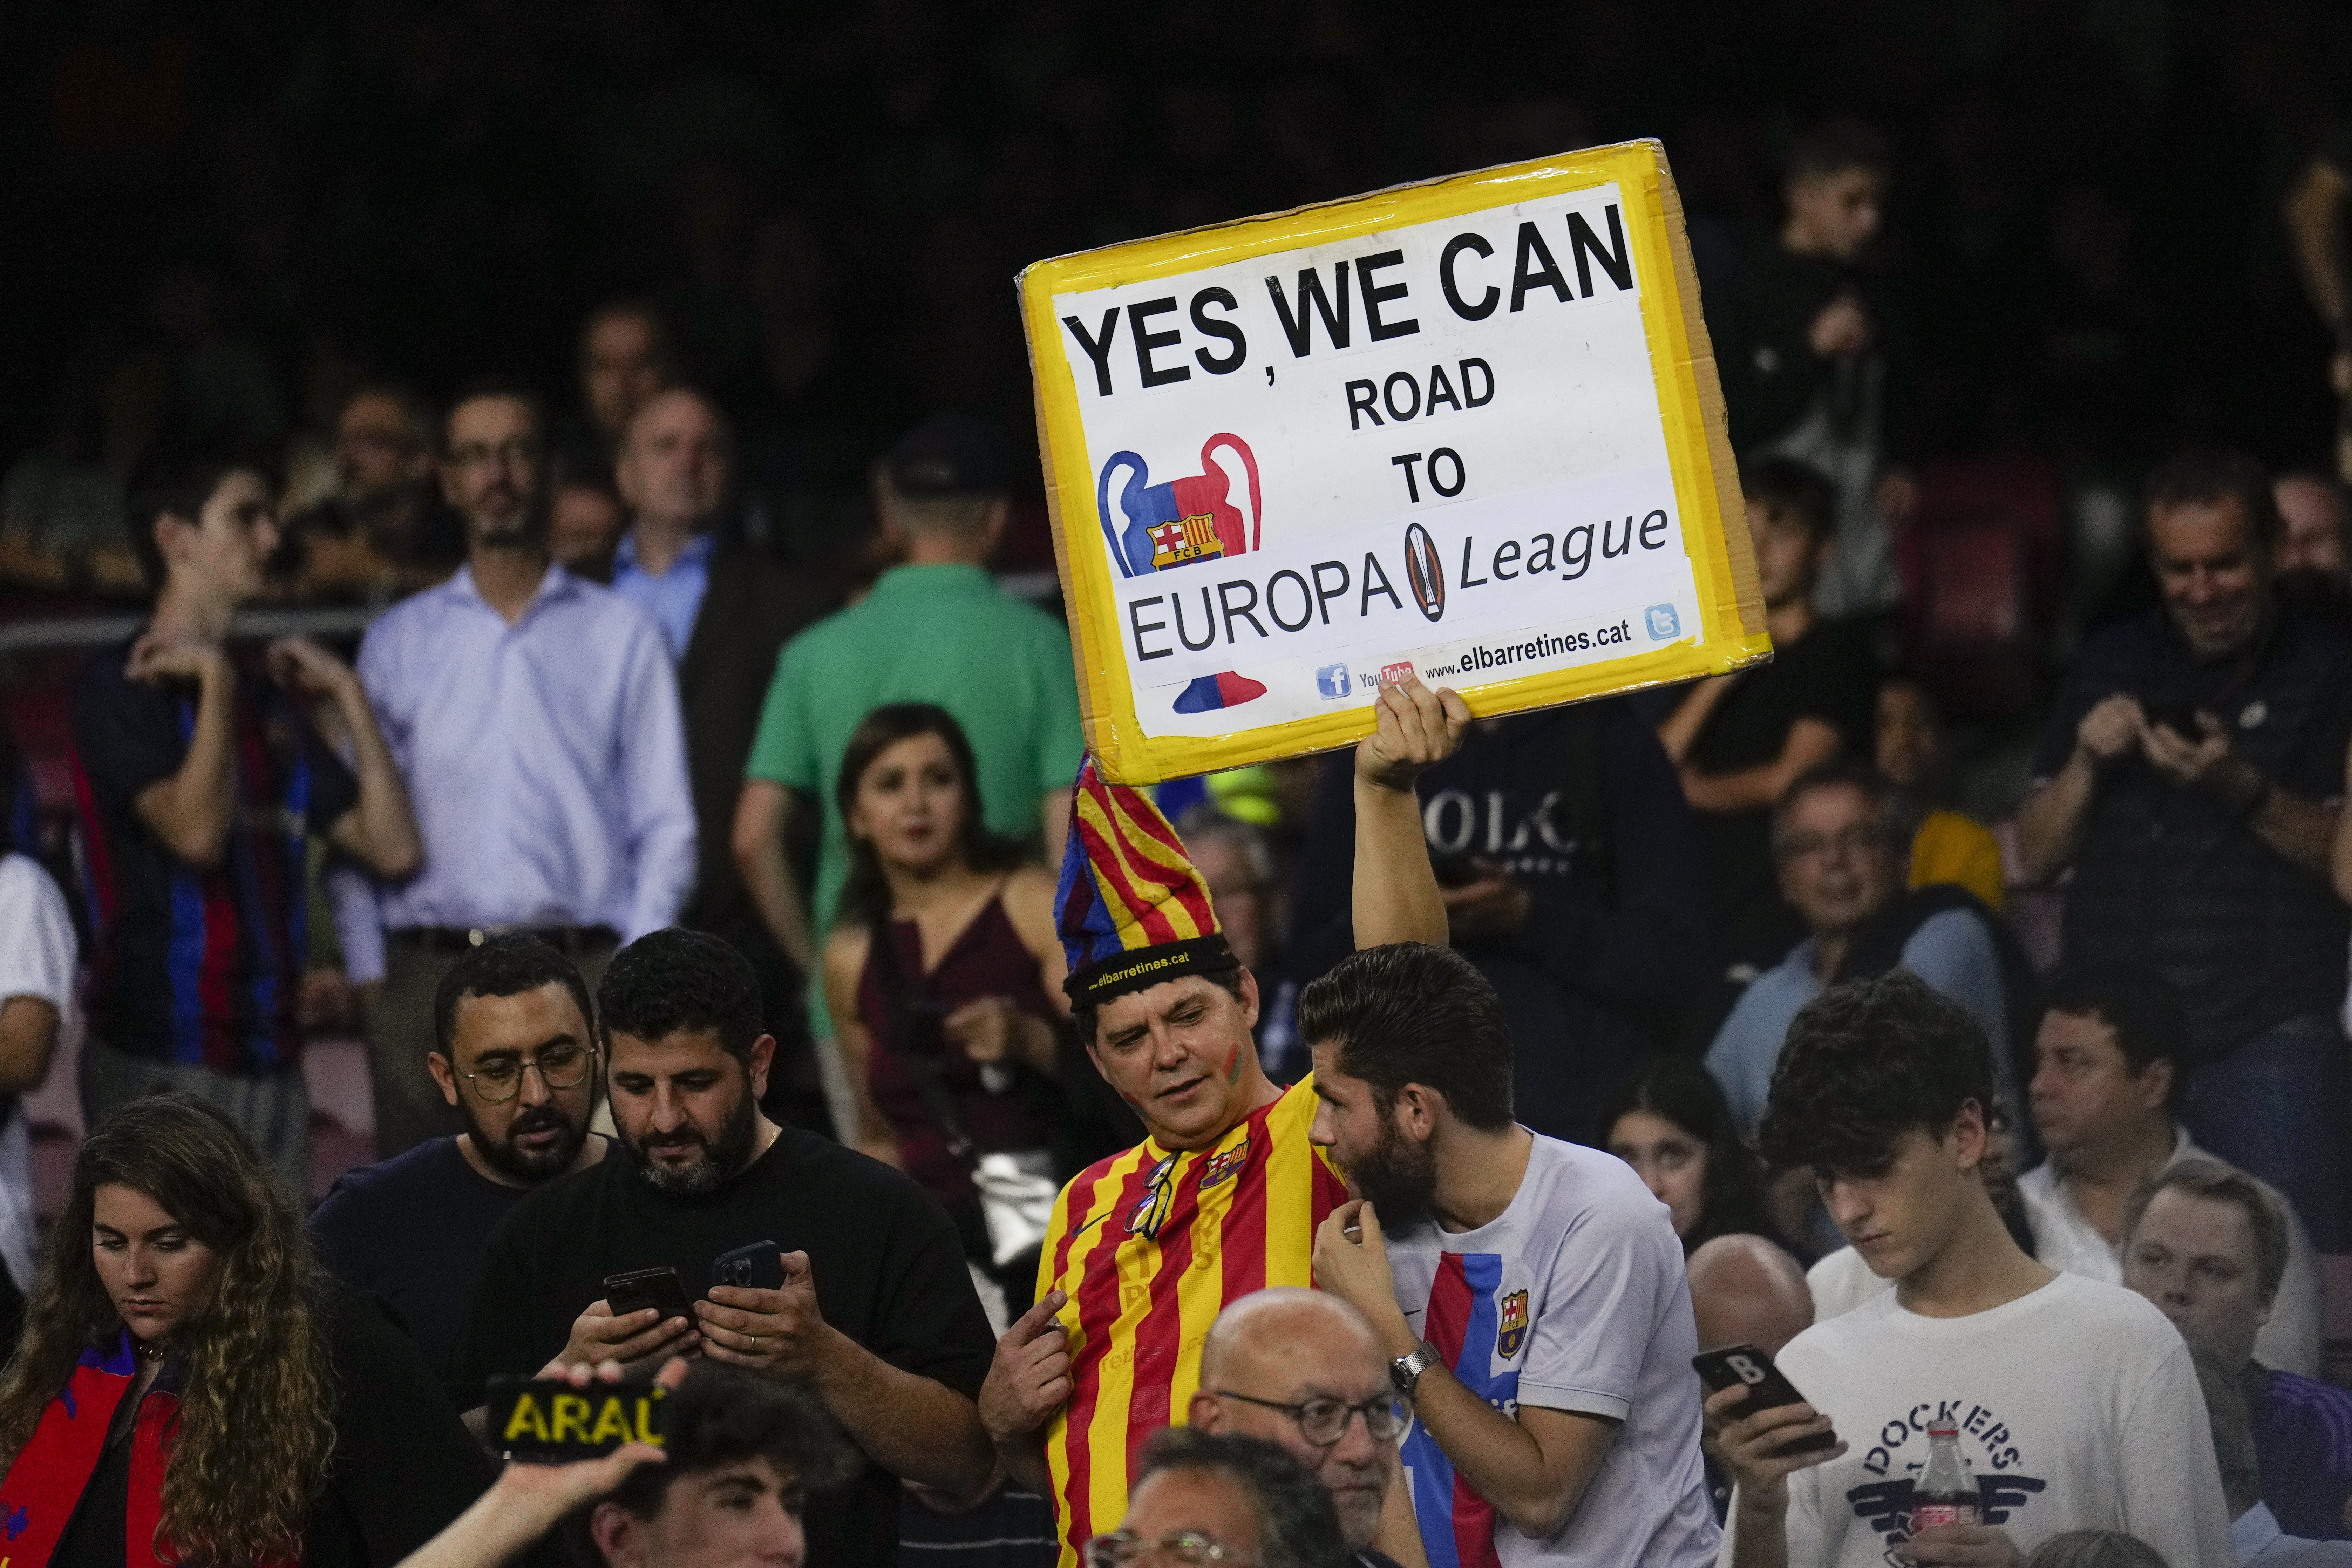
<point x="192" y="1390"/>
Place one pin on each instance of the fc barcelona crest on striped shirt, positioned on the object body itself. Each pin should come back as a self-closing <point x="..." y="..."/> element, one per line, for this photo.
<point x="1225" y="1166"/>
<point x="1511" y="1327"/>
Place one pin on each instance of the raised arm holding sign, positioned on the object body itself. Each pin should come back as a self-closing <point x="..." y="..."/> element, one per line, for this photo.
<point x="1469" y="428"/>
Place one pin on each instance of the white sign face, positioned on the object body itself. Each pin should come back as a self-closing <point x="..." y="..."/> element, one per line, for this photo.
<point x="1471" y="475"/>
<point x="1448" y="437"/>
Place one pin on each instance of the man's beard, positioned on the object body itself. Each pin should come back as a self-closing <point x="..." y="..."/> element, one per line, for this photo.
<point x="520" y="522"/>
<point x="1399" y="1177"/>
<point x="720" y="1160"/>
<point x="501" y="1155"/>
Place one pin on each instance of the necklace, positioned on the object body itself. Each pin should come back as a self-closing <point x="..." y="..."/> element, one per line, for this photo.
<point x="152" y="1352"/>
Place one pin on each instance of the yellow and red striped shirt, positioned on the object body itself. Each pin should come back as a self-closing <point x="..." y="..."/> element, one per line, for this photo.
<point x="1149" y="1245"/>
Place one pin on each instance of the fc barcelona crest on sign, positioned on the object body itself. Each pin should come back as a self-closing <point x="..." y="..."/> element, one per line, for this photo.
<point x="1511" y="1332"/>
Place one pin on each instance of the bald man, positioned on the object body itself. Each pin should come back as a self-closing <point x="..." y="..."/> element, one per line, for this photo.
<point x="726" y="610"/>
<point x="1747" y="1291"/>
<point x="1304" y="1370"/>
<point x="1744" y="1291"/>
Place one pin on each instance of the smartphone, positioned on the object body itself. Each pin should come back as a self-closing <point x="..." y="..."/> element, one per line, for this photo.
<point x="642" y="1288"/>
<point x="1768" y="1387"/>
<point x="758" y="1267"/>
<point x="2181" y="718"/>
<point x="547" y="1421"/>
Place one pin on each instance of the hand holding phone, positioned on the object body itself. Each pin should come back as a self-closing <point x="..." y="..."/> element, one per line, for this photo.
<point x="1763" y="1429"/>
<point x="641" y="1288"/>
<point x="2181" y="718"/>
<point x="645" y="1313"/>
<point x="758" y="1266"/>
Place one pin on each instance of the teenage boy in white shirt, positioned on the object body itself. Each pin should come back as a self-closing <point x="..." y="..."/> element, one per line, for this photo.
<point x="1531" y="1291"/>
<point x="2076" y="1403"/>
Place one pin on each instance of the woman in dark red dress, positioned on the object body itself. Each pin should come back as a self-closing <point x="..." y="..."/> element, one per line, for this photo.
<point x="944" y="973"/>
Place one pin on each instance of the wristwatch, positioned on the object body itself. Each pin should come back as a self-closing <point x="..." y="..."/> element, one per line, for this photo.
<point x="1405" y="1371"/>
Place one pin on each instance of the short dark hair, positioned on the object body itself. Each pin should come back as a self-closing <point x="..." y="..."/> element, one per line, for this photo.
<point x="1847" y="773"/>
<point x="1866" y="1062"/>
<point x="681" y="982"/>
<point x="1087" y="1016"/>
<point x="1834" y="145"/>
<point x="498" y="385"/>
<point x="1791" y="487"/>
<point x="506" y="963"/>
<point x="1298" y="1527"/>
<point x="178" y="484"/>
<point x="724" y="1415"/>
<point x="2209" y="474"/>
<point x="2209" y="1178"/>
<point x="1411" y="1012"/>
<point x="2140" y="1005"/>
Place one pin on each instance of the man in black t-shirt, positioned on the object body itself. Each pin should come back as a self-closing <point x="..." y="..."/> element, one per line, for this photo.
<point x="198" y="785"/>
<point x="517" y="1055"/>
<point x="876" y="1312"/>
<point x="1741" y="740"/>
<point x="2190" y="774"/>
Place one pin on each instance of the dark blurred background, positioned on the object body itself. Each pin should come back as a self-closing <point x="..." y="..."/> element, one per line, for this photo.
<point x="225" y="213"/>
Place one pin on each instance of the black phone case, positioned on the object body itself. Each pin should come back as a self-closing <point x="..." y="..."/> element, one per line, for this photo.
<point x="642" y="1287"/>
<point x="1767" y="1386"/>
<point x="758" y="1266"/>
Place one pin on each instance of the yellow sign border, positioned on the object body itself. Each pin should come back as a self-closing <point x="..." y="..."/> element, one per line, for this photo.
<point x="1690" y="397"/>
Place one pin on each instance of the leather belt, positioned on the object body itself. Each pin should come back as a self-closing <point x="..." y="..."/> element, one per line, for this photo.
<point x="570" y="941"/>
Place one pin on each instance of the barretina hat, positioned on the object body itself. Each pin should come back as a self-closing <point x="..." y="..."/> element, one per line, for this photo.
<point x="1131" y="910"/>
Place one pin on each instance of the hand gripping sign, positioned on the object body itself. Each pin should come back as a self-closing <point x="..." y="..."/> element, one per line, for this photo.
<point x="1477" y="428"/>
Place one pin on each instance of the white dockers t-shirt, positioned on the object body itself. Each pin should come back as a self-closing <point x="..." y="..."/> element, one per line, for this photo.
<point x="2077" y="1405"/>
<point x="1573" y="1298"/>
<point x="36" y="959"/>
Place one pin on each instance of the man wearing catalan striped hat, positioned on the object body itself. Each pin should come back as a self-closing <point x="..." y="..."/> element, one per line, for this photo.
<point x="1224" y="1198"/>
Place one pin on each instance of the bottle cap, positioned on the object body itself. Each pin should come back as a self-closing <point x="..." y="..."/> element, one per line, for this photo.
<point x="1942" y="1432"/>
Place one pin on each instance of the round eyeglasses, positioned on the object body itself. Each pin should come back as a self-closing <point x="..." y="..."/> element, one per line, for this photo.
<point x="1324" y="1422"/>
<point x="559" y="1066"/>
<point x="1123" y="1548"/>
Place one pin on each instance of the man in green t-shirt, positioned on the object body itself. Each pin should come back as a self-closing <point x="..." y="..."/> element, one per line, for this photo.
<point x="933" y="630"/>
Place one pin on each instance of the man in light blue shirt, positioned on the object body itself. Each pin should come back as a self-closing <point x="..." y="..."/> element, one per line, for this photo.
<point x="1841" y="855"/>
<point x="534" y="717"/>
<point x="726" y="610"/>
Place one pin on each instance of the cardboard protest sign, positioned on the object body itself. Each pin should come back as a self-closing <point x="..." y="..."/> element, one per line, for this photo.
<point x="1470" y="426"/>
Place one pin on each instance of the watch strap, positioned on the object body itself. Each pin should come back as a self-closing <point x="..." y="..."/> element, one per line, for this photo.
<point x="1404" y="1370"/>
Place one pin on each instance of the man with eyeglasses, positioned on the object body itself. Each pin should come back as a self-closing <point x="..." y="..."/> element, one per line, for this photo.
<point x="1303" y="1371"/>
<point x="535" y="717"/>
<point x="1221" y="1500"/>
<point x="1843" y="857"/>
<point x="515" y="1054"/>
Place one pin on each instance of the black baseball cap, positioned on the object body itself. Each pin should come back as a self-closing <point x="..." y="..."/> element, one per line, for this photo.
<point x="951" y="455"/>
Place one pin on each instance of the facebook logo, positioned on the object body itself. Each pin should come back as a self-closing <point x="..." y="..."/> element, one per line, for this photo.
<point x="1664" y="623"/>
<point x="1331" y="680"/>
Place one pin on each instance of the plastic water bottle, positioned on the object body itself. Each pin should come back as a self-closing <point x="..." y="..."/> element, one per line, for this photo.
<point x="1947" y="1493"/>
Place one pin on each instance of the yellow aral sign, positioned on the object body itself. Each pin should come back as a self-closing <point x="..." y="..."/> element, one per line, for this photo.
<point x="1469" y="427"/>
